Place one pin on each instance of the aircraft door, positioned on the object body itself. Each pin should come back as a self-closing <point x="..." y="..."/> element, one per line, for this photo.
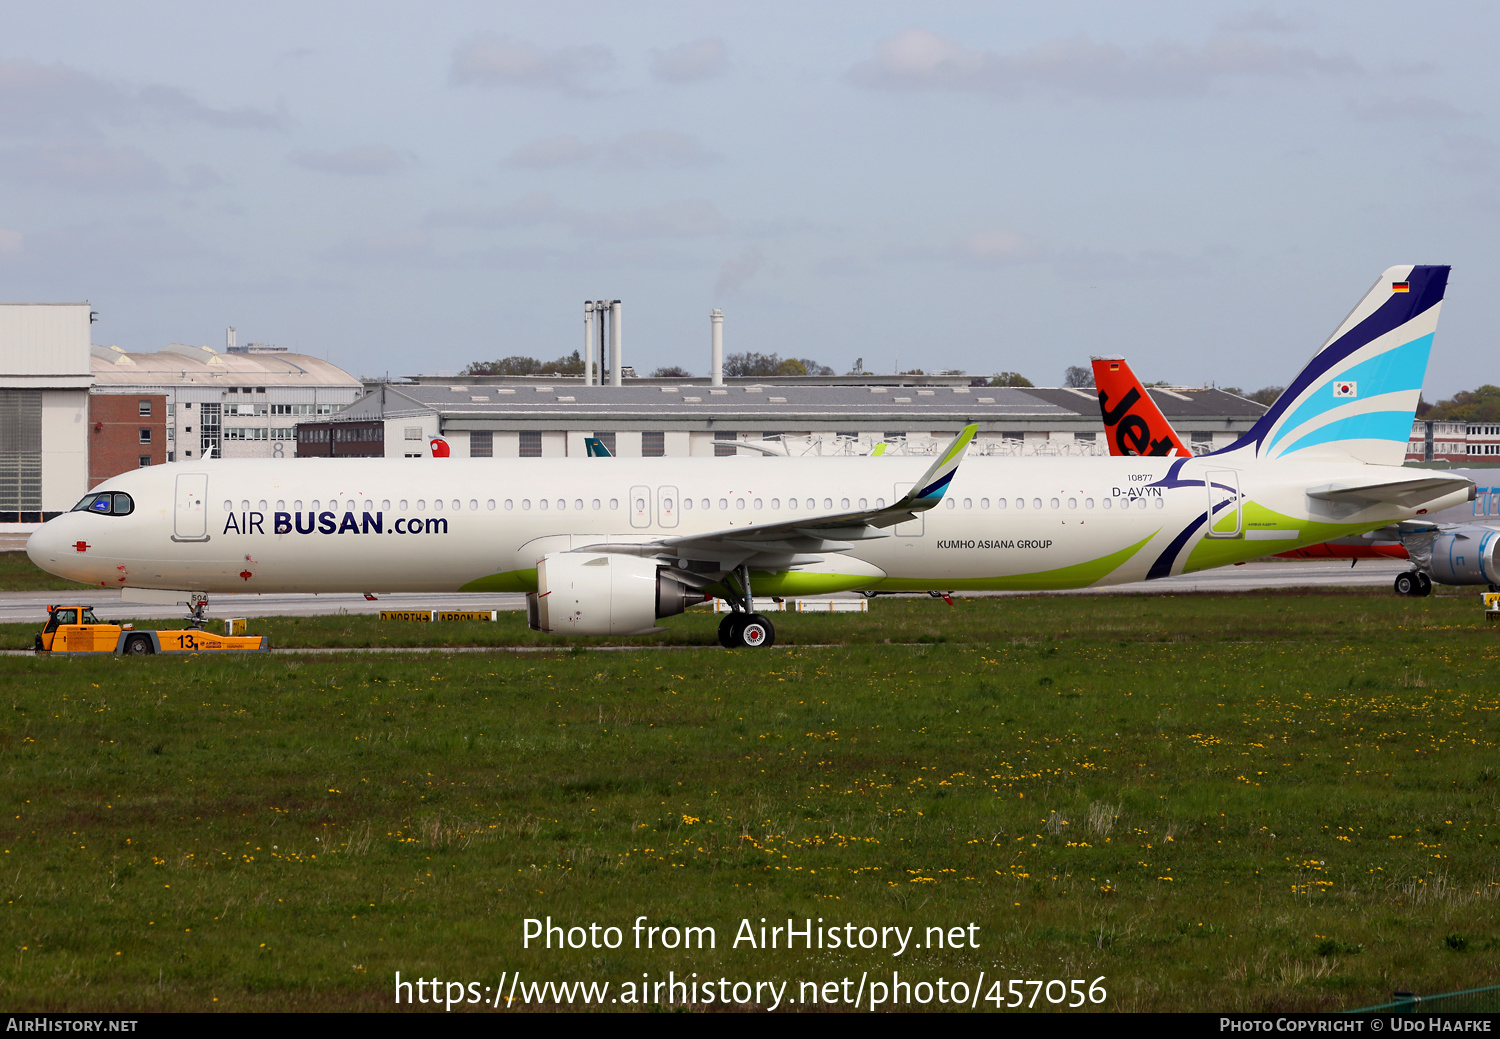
<point x="640" y="506"/>
<point x="1225" y="517"/>
<point x="191" y="520"/>
<point x="666" y="506"/>
<point x="913" y="528"/>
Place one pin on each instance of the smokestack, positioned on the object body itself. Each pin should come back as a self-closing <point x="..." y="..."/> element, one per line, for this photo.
<point x="229" y="340"/>
<point x="588" y="343"/>
<point x="615" y="355"/>
<point x="716" y="364"/>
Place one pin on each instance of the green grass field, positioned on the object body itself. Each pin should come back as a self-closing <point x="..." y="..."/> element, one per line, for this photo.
<point x="1213" y="802"/>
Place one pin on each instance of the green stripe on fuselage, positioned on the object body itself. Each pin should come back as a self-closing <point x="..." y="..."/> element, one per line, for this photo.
<point x="1211" y="552"/>
<point x="510" y="581"/>
<point x="1079" y="575"/>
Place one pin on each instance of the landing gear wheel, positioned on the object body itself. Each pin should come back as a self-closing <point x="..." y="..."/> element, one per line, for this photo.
<point x="727" y="630"/>
<point x="138" y="646"/>
<point x="1406" y="584"/>
<point x="755" y="632"/>
<point x="1424" y="584"/>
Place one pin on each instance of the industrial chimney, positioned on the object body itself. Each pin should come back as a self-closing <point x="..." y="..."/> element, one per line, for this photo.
<point x="588" y="343"/>
<point x="716" y="363"/>
<point x="616" y="358"/>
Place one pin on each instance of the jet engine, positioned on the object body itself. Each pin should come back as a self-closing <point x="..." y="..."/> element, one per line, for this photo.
<point x="1466" y="555"/>
<point x="601" y="593"/>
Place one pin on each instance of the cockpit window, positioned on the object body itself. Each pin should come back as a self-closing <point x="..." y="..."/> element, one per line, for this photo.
<point x="107" y="503"/>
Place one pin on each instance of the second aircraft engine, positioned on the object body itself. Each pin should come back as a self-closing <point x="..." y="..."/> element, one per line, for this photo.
<point x="601" y="593"/>
<point x="1466" y="556"/>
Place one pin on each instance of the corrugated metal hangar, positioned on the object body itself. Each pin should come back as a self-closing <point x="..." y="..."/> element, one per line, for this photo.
<point x="551" y="417"/>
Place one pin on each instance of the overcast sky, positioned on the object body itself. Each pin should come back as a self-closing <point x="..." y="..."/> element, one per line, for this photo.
<point x="1206" y="188"/>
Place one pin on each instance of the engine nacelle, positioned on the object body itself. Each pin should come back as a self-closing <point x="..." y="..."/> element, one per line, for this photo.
<point x="1465" y="556"/>
<point x="600" y="593"/>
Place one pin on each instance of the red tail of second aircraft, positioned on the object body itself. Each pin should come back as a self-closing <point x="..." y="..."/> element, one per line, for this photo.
<point x="1132" y="421"/>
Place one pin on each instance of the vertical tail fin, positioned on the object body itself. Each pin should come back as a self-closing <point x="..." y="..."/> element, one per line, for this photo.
<point x="1358" y="395"/>
<point x="1133" y="424"/>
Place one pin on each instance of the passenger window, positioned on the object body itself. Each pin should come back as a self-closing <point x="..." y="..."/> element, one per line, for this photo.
<point x="88" y="617"/>
<point x="65" y="616"/>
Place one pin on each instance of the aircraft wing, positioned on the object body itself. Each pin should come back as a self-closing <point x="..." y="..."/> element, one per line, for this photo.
<point x="793" y="542"/>
<point x="1420" y="487"/>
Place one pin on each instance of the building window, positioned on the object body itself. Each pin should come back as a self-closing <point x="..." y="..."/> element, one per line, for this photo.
<point x="145" y="408"/>
<point x="145" y="436"/>
<point x="171" y="456"/>
<point x="608" y="440"/>
<point x="724" y="445"/>
<point x="531" y="443"/>
<point x="244" y="433"/>
<point x="653" y="444"/>
<point x="208" y="429"/>
<point x="413" y="433"/>
<point x="481" y="444"/>
<point x="283" y="432"/>
<point x="145" y="461"/>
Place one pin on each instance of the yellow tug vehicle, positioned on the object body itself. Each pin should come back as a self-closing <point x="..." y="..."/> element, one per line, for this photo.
<point x="75" y="629"/>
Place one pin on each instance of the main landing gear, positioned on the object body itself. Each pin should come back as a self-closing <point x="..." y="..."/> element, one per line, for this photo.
<point x="743" y="627"/>
<point x="1413" y="583"/>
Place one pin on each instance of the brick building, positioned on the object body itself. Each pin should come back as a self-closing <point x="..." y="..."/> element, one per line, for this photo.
<point x="125" y="432"/>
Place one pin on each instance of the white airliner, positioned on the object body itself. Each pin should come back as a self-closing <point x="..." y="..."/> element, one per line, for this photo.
<point x="610" y="545"/>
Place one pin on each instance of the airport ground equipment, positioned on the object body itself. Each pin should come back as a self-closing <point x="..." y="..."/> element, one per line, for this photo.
<point x="74" y="629"/>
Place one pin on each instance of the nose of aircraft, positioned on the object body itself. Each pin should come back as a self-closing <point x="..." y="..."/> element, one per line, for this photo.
<point x="44" y="547"/>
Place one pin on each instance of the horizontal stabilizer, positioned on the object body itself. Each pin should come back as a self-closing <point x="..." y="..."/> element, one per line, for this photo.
<point x="1407" y="494"/>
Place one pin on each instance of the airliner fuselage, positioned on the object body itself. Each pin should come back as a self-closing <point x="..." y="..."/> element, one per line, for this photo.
<point x="483" y="524"/>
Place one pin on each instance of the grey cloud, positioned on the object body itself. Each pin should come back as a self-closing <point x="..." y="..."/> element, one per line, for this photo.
<point x="639" y="149"/>
<point x="1088" y="265"/>
<point x="561" y="150"/>
<point x="990" y="248"/>
<point x="171" y="101"/>
<point x="690" y="62"/>
<point x="540" y="207"/>
<point x="980" y="249"/>
<point x="920" y="60"/>
<point x="87" y="167"/>
<point x="660" y="148"/>
<point x="1465" y="153"/>
<point x="360" y="161"/>
<point x="399" y="245"/>
<point x="685" y="218"/>
<point x="36" y="98"/>
<point x="688" y="218"/>
<point x="1261" y="20"/>
<point x="736" y="273"/>
<point x="490" y="60"/>
<point x="128" y="250"/>
<point x="1415" y="106"/>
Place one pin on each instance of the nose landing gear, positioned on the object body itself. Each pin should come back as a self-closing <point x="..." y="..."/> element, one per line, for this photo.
<point x="1414" y="583"/>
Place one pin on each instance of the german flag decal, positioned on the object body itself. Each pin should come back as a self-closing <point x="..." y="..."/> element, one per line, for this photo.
<point x="1400" y="286"/>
